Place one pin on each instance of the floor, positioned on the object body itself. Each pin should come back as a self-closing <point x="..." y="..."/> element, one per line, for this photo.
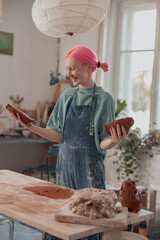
<point x="21" y="232"/>
<point x="154" y="232"/>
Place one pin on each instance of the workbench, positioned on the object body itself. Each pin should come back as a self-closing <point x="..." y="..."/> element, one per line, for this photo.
<point x="38" y="211"/>
<point x="18" y="153"/>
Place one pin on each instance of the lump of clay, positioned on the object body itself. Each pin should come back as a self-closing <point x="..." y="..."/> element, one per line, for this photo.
<point x="126" y="122"/>
<point x="130" y="197"/>
<point x="94" y="203"/>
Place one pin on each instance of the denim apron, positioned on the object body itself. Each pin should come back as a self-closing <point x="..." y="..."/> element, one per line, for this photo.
<point x="79" y="164"/>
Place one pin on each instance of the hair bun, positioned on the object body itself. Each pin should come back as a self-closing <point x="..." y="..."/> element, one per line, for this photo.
<point x="104" y="66"/>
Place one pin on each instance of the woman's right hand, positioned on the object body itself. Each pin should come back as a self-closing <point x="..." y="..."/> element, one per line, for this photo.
<point x="20" y="120"/>
<point x="50" y="134"/>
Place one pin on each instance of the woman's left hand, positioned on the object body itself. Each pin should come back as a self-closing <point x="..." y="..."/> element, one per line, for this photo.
<point x="118" y="134"/>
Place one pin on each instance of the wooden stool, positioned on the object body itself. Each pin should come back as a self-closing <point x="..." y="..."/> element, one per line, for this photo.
<point x="4" y="220"/>
<point x="123" y="235"/>
<point x="153" y="188"/>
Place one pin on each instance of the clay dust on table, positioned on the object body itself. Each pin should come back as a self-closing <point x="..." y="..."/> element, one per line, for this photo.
<point x="51" y="192"/>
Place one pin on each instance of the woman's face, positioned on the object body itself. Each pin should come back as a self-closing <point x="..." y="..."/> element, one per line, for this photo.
<point x="78" y="72"/>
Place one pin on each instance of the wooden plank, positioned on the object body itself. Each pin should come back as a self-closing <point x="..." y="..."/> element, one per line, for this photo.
<point x="122" y="219"/>
<point x="65" y="215"/>
<point x="142" y="215"/>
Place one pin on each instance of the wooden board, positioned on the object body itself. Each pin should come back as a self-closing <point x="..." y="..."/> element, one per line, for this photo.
<point x="65" y="215"/>
<point x="142" y="215"/>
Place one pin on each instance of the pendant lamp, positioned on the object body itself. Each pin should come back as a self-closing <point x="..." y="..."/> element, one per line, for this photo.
<point x="57" y="18"/>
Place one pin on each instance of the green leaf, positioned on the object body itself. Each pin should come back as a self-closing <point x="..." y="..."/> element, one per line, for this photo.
<point x="120" y="106"/>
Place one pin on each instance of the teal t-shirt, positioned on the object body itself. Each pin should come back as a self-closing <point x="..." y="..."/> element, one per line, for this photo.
<point x="105" y="111"/>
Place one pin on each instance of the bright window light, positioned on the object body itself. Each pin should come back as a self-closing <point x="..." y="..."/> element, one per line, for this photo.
<point x="136" y="63"/>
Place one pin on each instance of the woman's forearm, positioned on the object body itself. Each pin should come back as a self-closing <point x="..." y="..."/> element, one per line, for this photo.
<point x="117" y="135"/>
<point x="107" y="144"/>
<point x="50" y="134"/>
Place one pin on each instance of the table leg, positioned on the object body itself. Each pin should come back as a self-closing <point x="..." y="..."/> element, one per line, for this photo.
<point x="44" y="236"/>
<point x="153" y="194"/>
<point x="130" y="228"/>
<point x="11" y="230"/>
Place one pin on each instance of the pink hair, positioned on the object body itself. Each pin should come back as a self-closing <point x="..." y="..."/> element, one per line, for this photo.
<point x="87" y="56"/>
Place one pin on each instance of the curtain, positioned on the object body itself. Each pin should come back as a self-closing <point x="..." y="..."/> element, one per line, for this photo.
<point x="1" y="20"/>
<point x="102" y="45"/>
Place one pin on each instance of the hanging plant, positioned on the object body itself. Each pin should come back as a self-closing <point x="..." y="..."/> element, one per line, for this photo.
<point x="150" y="142"/>
<point x="127" y="154"/>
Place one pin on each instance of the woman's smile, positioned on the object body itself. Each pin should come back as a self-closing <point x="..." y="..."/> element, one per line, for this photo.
<point x="74" y="79"/>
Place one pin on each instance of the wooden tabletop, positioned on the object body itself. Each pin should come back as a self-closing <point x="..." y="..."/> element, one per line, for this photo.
<point x="38" y="211"/>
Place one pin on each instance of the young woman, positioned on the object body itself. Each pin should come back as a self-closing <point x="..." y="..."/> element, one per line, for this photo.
<point x="77" y="123"/>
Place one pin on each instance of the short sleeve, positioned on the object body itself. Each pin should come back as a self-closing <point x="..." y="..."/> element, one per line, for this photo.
<point x="107" y="116"/>
<point x="55" y="119"/>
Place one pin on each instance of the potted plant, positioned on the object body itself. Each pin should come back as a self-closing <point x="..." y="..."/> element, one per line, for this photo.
<point x="127" y="154"/>
<point x="128" y="151"/>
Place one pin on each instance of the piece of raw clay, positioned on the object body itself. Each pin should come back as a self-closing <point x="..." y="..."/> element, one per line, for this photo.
<point x="94" y="203"/>
<point x="126" y="122"/>
<point x="27" y="119"/>
<point x="130" y="197"/>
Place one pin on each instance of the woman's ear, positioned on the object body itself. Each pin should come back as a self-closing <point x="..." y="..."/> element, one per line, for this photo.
<point x="90" y="67"/>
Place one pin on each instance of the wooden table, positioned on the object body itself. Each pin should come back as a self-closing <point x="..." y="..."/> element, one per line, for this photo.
<point x="38" y="211"/>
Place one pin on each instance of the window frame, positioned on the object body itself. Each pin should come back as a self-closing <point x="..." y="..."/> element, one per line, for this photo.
<point x="155" y="88"/>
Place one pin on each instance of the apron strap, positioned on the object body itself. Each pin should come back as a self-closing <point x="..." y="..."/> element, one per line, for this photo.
<point x="93" y="110"/>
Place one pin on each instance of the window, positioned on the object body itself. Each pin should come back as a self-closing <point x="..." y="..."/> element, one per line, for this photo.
<point x="138" y="54"/>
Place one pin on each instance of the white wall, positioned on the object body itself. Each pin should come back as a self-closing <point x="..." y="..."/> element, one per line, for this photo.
<point x="26" y="72"/>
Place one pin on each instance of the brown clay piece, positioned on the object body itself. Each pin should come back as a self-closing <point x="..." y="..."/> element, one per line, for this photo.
<point x="126" y="122"/>
<point x="26" y="118"/>
<point x="130" y="197"/>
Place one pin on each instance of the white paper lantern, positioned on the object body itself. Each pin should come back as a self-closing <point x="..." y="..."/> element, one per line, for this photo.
<point x="59" y="18"/>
